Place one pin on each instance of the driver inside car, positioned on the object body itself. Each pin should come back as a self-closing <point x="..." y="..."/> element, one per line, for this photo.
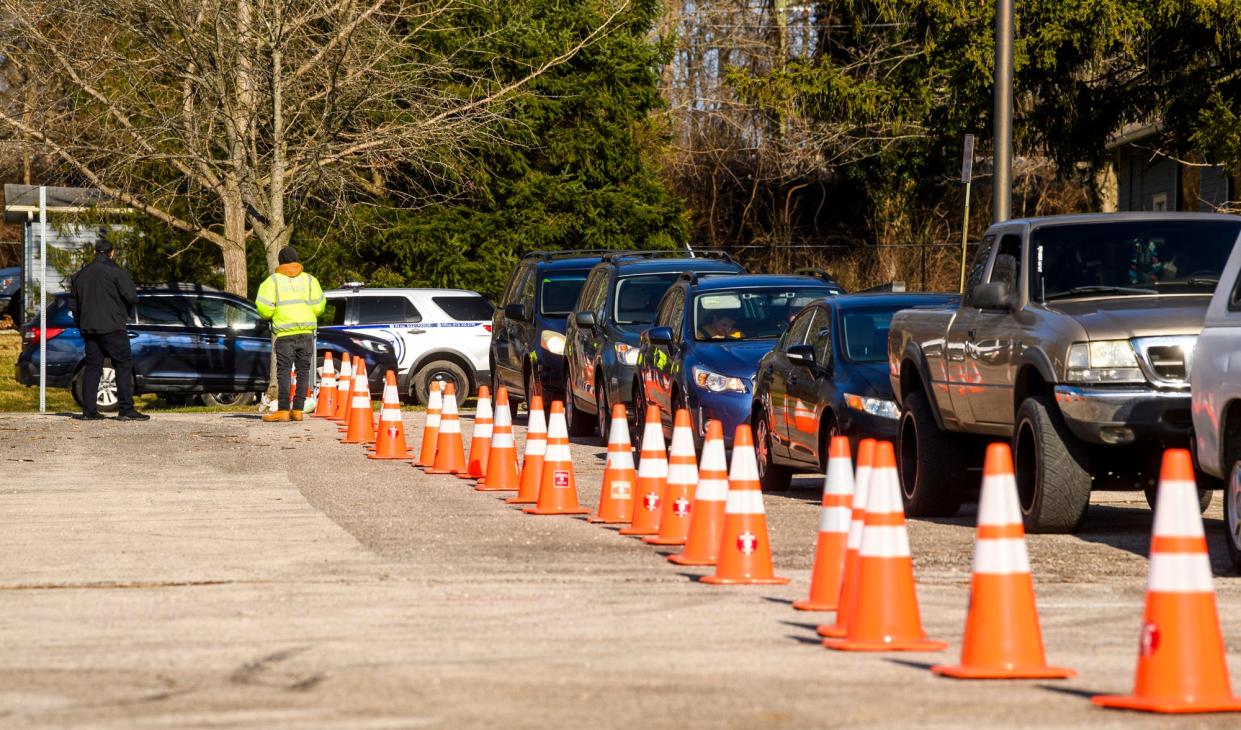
<point x="720" y="326"/>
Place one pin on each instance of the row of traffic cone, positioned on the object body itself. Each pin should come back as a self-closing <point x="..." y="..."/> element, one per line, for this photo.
<point x="863" y="568"/>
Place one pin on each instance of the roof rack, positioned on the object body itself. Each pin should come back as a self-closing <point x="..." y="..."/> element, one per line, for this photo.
<point x="567" y="253"/>
<point x="679" y="253"/>
<point x="892" y="286"/>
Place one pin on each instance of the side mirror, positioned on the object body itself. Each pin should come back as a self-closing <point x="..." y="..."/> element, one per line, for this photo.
<point x="585" y="320"/>
<point x="801" y="354"/>
<point x="660" y="335"/>
<point x="993" y="295"/>
<point x="517" y="311"/>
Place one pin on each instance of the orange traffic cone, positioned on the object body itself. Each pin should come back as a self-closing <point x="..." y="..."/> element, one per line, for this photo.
<point x="292" y="384"/>
<point x="652" y="477"/>
<point x="1181" y="665"/>
<point x="326" y="405"/>
<point x="390" y="441"/>
<point x="1002" y="636"/>
<point x="532" y="459"/>
<point x="557" y="487"/>
<point x="480" y="440"/>
<point x="361" y="416"/>
<point x="616" y="494"/>
<point x="745" y="550"/>
<point x="430" y="426"/>
<point x="680" y="485"/>
<point x="449" y="449"/>
<point x="884" y="615"/>
<point x="834" y="518"/>
<point x="344" y="388"/>
<point x="848" y="582"/>
<point x="706" y="517"/>
<point x="501" y="475"/>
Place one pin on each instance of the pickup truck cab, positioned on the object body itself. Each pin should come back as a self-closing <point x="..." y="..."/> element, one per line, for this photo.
<point x="1073" y="340"/>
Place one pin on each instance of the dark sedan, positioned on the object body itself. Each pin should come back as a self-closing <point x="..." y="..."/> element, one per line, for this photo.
<point x="828" y="375"/>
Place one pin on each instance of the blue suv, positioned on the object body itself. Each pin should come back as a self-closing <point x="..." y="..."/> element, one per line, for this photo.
<point x="186" y="339"/>
<point x="708" y="335"/>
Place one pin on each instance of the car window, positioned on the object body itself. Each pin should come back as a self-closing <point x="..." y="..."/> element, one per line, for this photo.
<point x="798" y="331"/>
<point x="977" y="268"/>
<point x="866" y="334"/>
<point x="636" y="297"/>
<point x="223" y="314"/>
<point x="820" y="335"/>
<point x="520" y="272"/>
<point x="386" y="310"/>
<point x="165" y="311"/>
<point x="595" y="284"/>
<point x="758" y="313"/>
<point x="559" y="289"/>
<point x="466" y="308"/>
<point x="676" y="312"/>
<point x="1007" y="266"/>
<point x="527" y="287"/>
<point x="334" y="312"/>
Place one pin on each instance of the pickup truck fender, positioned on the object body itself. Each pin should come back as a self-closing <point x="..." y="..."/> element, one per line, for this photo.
<point x="913" y="355"/>
<point x="1031" y="361"/>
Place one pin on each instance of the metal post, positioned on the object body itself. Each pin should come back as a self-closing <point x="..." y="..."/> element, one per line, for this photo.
<point x="965" y="235"/>
<point x="42" y="299"/>
<point x="1002" y="195"/>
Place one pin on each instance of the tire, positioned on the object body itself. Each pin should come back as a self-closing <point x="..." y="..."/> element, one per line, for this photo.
<point x="932" y="469"/>
<point x="603" y="412"/>
<point x="175" y="400"/>
<point x="532" y="389"/>
<point x="444" y="371"/>
<point x="1053" y="469"/>
<point x="106" y="402"/>
<point x="1232" y="505"/>
<point x="228" y="400"/>
<point x="638" y="422"/>
<point x="772" y="476"/>
<point x="828" y="430"/>
<point x="1204" y="496"/>
<point x="579" y="424"/>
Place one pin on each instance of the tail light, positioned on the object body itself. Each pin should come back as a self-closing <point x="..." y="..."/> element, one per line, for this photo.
<point x="31" y="336"/>
<point x="487" y="327"/>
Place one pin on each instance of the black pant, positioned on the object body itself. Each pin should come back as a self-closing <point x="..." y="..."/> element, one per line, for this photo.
<point x="114" y="346"/>
<point x="293" y="351"/>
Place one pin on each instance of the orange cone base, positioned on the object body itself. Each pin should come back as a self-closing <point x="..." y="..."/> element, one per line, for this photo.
<point x="407" y="457"/>
<point x="849" y="645"/>
<point x="537" y="511"/>
<point x="482" y="487"/>
<point x="356" y="441"/>
<point x="808" y="605"/>
<point x="601" y="521"/>
<point x="832" y="631"/>
<point x="663" y="540"/>
<point x="1168" y="705"/>
<point x="680" y="559"/>
<point x="433" y="470"/>
<point x="519" y="500"/>
<point x="631" y="531"/>
<point x="961" y="671"/>
<point x="716" y="581"/>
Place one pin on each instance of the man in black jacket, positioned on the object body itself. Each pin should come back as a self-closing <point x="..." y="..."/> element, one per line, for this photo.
<point x="101" y="296"/>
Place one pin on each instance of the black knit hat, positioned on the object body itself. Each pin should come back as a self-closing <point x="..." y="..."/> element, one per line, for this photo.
<point x="287" y="255"/>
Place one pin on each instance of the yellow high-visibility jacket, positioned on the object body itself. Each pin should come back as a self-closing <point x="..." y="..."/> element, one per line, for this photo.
<point x="292" y="300"/>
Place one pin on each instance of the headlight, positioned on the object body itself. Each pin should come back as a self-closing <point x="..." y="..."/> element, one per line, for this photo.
<point x="374" y="346"/>
<point x="717" y="383"/>
<point x="873" y="406"/>
<point x="552" y="341"/>
<point x="1104" y="361"/>
<point x="627" y="354"/>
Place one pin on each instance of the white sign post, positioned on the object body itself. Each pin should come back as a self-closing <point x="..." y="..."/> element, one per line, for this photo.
<point x="967" y="176"/>
<point x="42" y="299"/>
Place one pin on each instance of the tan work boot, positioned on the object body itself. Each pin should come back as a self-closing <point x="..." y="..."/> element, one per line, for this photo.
<point x="295" y="415"/>
<point x="278" y="416"/>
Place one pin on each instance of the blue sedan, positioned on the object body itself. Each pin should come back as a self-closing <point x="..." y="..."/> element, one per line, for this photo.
<point x="827" y="376"/>
<point x="707" y="337"/>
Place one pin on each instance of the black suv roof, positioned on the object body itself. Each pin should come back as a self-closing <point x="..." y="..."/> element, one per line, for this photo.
<point x="629" y="267"/>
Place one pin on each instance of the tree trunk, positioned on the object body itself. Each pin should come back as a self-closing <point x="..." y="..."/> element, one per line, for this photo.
<point x="235" y="275"/>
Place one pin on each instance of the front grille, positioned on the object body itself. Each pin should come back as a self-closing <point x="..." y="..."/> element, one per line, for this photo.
<point x="1168" y="362"/>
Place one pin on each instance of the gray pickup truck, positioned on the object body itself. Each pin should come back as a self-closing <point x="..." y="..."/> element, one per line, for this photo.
<point x="1074" y="341"/>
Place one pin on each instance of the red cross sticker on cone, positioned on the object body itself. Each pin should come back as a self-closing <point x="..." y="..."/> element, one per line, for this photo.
<point x="747" y="543"/>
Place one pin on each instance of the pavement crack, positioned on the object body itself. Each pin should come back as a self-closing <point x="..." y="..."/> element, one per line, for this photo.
<point x="113" y="585"/>
<point x="250" y="672"/>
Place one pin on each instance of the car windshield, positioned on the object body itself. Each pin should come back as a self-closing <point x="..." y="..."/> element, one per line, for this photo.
<point x="760" y="313"/>
<point x="638" y="296"/>
<point x="865" y="333"/>
<point x="558" y="291"/>
<point x="1133" y="257"/>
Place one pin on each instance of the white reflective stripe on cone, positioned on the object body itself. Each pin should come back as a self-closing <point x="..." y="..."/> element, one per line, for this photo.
<point x="997" y="502"/>
<point x="884" y="541"/>
<point x="1172" y="518"/>
<point x="1003" y="556"/>
<point x="502" y="441"/>
<point x="361" y="401"/>
<point x="536" y="447"/>
<point x="558" y="453"/>
<point x="389" y="415"/>
<point x="482" y="430"/>
<point x="835" y="519"/>
<point x="619" y="433"/>
<point x="1180" y="573"/>
<point x="450" y="425"/>
<point x="390" y="394"/>
<point x="450" y="406"/>
<point x="884" y="493"/>
<point x="653" y="467"/>
<point x="682" y="474"/>
<point x="844" y="467"/>
<point x="861" y="487"/>
<point x="712" y="490"/>
<point x="620" y="459"/>
<point x="745" y="502"/>
<point x="433" y="420"/>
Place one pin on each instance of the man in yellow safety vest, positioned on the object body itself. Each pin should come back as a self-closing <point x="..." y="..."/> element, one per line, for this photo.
<point x="293" y="301"/>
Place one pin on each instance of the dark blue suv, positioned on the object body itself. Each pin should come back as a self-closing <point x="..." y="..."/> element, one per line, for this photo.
<point x="707" y="338"/>
<point x="186" y="339"/>
<point x="615" y="306"/>
<point x="527" y="334"/>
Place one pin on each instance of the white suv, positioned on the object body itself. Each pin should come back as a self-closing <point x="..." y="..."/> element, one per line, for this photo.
<point x="1215" y="388"/>
<point x="437" y="334"/>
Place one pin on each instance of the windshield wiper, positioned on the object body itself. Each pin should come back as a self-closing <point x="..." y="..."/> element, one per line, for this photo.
<point x="1099" y="289"/>
<point x="1191" y="281"/>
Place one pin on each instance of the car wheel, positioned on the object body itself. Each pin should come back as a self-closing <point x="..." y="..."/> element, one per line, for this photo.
<point x="638" y="425"/>
<point x="1152" y="495"/>
<point x="579" y="424"/>
<point x="1232" y="505"/>
<point x="225" y="400"/>
<point x="1150" y="487"/>
<point x="772" y="476"/>
<point x="828" y="431"/>
<point x="931" y="468"/>
<point x="106" y="401"/>
<point x="532" y="389"/>
<point x="444" y="371"/>
<point x="1053" y="469"/>
<point x="603" y="412"/>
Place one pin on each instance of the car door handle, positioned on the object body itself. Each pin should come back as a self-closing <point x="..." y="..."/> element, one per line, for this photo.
<point x="415" y="332"/>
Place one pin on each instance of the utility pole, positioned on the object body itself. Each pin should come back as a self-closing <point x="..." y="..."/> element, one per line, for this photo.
<point x="1002" y="195"/>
